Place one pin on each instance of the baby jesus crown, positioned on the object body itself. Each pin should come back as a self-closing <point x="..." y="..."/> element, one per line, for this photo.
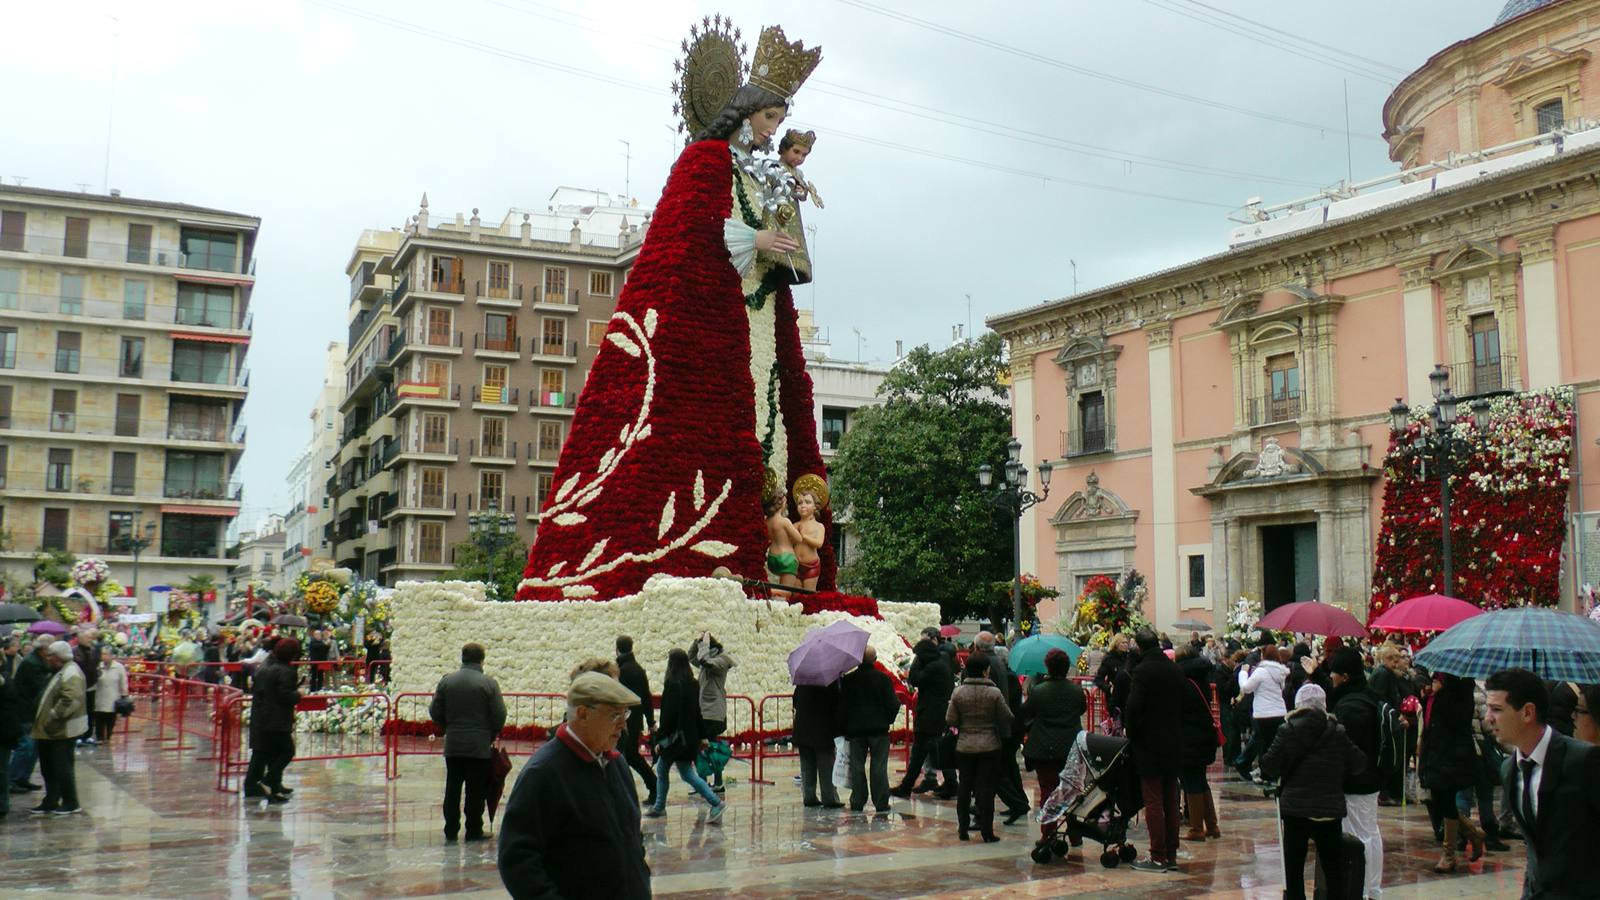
<point x="781" y="67"/>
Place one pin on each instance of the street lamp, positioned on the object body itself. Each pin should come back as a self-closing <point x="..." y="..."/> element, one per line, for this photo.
<point x="492" y="530"/>
<point x="139" y="536"/>
<point x="1014" y="497"/>
<point x="1437" y="438"/>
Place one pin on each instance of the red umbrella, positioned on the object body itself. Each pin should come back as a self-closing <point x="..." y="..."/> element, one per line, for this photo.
<point x="949" y="630"/>
<point x="1430" y="612"/>
<point x="1313" y="617"/>
<point x="499" y="767"/>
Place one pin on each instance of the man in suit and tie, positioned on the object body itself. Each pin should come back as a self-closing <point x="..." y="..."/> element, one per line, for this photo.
<point x="1552" y="786"/>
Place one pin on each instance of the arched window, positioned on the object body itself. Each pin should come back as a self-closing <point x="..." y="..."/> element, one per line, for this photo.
<point x="1549" y="116"/>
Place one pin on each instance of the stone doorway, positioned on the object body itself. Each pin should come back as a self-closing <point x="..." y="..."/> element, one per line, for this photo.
<point x="1289" y="570"/>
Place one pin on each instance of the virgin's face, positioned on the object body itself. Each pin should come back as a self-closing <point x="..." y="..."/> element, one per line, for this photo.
<point x="764" y="123"/>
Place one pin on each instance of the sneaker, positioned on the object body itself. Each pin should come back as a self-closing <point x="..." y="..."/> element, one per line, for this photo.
<point x="42" y="810"/>
<point x="654" y="812"/>
<point x="715" y="816"/>
<point x="721" y="789"/>
<point x="797" y="781"/>
<point x="1148" y="865"/>
<point x="66" y="810"/>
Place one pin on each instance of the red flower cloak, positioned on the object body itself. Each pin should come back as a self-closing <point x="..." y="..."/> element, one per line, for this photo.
<point x="662" y="469"/>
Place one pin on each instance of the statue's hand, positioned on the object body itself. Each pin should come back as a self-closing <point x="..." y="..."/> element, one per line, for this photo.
<point x="777" y="242"/>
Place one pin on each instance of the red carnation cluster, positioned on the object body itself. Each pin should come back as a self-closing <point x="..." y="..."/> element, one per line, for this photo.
<point x="833" y="601"/>
<point x="1505" y="544"/>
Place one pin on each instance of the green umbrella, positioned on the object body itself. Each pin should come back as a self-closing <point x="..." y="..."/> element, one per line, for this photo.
<point x="1027" y="657"/>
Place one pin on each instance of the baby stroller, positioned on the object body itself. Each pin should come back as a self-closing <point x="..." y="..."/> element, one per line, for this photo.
<point x="1098" y="794"/>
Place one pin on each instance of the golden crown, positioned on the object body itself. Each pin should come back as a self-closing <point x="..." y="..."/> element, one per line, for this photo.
<point x="781" y="67"/>
<point x="800" y="138"/>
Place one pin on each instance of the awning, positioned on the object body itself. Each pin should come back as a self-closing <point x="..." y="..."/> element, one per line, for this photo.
<point x="229" y="511"/>
<point x="213" y="338"/>
<point x="228" y="279"/>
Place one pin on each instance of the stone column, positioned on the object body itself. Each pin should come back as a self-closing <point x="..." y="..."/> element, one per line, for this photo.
<point x="1542" y="336"/>
<point x="1417" y="314"/>
<point x="1163" y="464"/>
<point x="1022" y="426"/>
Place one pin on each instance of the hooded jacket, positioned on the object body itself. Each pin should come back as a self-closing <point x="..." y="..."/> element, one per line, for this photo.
<point x="934" y="681"/>
<point x="1312" y="754"/>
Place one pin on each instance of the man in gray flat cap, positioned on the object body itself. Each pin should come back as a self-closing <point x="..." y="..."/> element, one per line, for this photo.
<point x="571" y="826"/>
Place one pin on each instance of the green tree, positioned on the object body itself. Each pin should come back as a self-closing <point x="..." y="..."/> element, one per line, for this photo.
<point x="472" y="564"/>
<point x="907" y="472"/>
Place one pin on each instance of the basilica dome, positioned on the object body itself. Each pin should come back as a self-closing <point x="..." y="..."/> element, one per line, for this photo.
<point x="1516" y="8"/>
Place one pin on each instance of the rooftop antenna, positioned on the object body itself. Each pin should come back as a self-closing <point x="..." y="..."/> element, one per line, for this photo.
<point x="969" y="313"/>
<point x="1349" y="167"/>
<point x="627" y="169"/>
<point x="1074" y="276"/>
<point x="111" y="112"/>
<point x="858" y="343"/>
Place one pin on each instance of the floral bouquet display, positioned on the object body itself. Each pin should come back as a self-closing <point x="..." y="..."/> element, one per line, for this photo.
<point x="321" y="590"/>
<point x="89" y="573"/>
<point x="1508" y="506"/>
<point x="1242" y="618"/>
<point x="1104" y="610"/>
<point x="1032" y="589"/>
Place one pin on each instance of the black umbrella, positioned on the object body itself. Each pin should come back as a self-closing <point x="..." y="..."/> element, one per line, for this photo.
<point x="16" y="612"/>
<point x="287" y="620"/>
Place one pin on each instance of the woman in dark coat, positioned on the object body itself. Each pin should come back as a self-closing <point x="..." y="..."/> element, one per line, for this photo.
<point x="1200" y="742"/>
<point x="1447" y="762"/>
<point x="979" y="713"/>
<point x="933" y="680"/>
<point x="275" y="690"/>
<point x="1313" y="756"/>
<point x="1114" y="667"/>
<point x="816" y="724"/>
<point x="679" y="739"/>
<point x="1053" y="715"/>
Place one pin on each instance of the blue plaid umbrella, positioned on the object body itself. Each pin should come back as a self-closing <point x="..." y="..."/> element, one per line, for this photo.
<point x="1555" y="645"/>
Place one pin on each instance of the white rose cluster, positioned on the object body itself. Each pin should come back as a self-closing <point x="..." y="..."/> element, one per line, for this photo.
<point x="532" y="646"/>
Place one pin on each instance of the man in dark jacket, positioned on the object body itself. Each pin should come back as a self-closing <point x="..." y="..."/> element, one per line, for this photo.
<point x="1008" y="785"/>
<point x="468" y="708"/>
<point x="86" y="653"/>
<point x="275" y="690"/>
<point x="867" y="709"/>
<point x="633" y="677"/>
<point x="32" y="674"/>
<point x="816" y="724"/>
<point x="1313" y="757"/>
<point x="1356" y="708"/>
<point x="11" y="726"/>
<point x="571" y="825"/>
<point x="1153" y="720"/>
<point x="933" y="680"/>
<point x="317" y="651"/>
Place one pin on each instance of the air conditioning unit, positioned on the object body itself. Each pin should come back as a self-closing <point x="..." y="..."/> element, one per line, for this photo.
<point x="826" y="445"/>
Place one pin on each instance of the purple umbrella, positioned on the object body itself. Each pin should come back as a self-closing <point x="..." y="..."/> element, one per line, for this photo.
<point x="47" y="626"/>
<point x="826" y="653"/>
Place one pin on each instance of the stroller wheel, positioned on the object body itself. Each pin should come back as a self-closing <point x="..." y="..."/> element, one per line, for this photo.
<point x="1129" y="853"/>
<point x="1041" y="853"/>
<point x="1109" y="859"/>
<point x="1060" y="847"/>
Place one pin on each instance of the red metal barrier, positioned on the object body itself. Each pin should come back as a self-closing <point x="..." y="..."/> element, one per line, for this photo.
<point x="745" y="743"/>
<point x="411" y="733"/>
<point x="767" y="729"/>
<point x="310" y="746"/>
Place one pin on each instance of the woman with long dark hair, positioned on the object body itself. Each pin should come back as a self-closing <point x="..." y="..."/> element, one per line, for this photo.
<point x="698" y="403"/>
<point x="678" y="739"/>
<point x="1446" y="760"/>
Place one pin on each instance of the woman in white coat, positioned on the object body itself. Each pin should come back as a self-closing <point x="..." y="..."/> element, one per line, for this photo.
<point x="1264" y="684"/>
<point x="112" y="686"/>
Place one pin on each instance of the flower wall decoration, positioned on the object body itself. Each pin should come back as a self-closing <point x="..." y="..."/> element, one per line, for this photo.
<point x="1508" y="505"/>
<point x="533" y="646"/>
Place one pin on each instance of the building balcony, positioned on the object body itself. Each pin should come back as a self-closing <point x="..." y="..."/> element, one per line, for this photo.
<point x="1083" y="442"/>
<point x="1274" y="410"/>
<point x="403" y="449"/>
<point x="493" y="397"/>
<point x="496" y="453"/>
<point x="189" y="490"/>
<point x="555" y="301"/>
<point x="559" y="403"/>
<point x="500" y="348"/>
<point x="62" y="247"/>
<point x="361" y="282"/>
<point x="1478" y="379"/>
<point x="425" y="394"/>
<point x="563" y="353"/>
<point x="55" y="307"/>
<point x="509" y="296"/>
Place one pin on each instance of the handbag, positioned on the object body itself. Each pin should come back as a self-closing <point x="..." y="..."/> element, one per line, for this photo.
<point x="671" y="743"/>
<point x="947" y="748"/>
<point x="122" y="706"/>
<point x="1216" y="724"/>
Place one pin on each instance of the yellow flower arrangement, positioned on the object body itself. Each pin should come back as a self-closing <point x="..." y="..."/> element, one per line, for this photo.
<point x="322" y="597"/>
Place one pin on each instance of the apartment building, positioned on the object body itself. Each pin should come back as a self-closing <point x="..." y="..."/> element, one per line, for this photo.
<point x="124" y="326"/>
<point x="308" y="512"/>
<point x="468" y="347"/>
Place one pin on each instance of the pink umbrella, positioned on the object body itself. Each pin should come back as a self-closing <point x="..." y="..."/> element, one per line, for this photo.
<point x="1313" y="617"/>
<point x="1430" y="612"/>
<point x="949" y="630"/>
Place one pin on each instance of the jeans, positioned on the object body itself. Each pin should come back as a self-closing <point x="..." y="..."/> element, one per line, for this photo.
<point x="1361" y="821"/>
<point x="59" y="768"/>
<point x="1161" y="815"/>
<point x="1296" y="832"/>
<point x="816" y="768"/>
<point x="979" y="773"/>
<point x="690" y="777"/>
<point x="878" y="780"/>
<point x="23" y="756"/>
<point x="474" y="774"/>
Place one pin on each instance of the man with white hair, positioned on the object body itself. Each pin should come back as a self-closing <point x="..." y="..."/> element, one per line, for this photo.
<point x="63" y="715"/>
<point x="87" y="655"/>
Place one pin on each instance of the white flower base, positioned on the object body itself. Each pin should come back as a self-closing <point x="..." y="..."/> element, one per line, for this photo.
<point x="533" y="646"/>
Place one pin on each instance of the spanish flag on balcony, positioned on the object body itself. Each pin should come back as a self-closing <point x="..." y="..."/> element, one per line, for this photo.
<point x="420" y="389"/>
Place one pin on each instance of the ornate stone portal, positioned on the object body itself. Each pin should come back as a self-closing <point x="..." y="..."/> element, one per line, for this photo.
<point x="1094" y="531"/>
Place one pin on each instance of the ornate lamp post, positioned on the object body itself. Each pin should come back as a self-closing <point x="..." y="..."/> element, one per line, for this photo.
<point x="491" y="530"/>
<point x="135" y="541"/>
<point x="1013" y="496"/>
<point x="1438" y="439"/>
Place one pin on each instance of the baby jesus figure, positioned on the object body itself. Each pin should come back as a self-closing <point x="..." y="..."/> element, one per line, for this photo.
<point x="792" y="152"/>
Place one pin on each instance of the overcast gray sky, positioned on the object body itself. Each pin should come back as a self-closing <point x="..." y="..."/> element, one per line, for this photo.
<point x="941" y="136"/>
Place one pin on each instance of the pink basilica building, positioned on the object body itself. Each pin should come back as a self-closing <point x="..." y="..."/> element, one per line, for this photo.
<point x="1221" y="426"/>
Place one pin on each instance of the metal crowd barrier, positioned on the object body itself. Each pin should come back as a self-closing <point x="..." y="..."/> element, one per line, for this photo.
<point x="232" y="753"/>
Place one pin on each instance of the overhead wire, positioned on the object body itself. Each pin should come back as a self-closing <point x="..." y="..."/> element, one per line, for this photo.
<point x="1376" y="63"/>
<point x="1175" y="7"/>
<point x="1062" y="64"/>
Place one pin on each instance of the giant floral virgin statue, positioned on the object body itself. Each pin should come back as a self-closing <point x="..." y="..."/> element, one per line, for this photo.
<point x="698" y="404"/>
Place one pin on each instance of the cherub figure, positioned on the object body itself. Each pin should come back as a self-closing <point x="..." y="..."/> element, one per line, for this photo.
<point x="782" y="565"/>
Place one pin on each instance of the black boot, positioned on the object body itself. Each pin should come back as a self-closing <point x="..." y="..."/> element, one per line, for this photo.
<point x="950" y="787"/>
<point x="929" y="784"/>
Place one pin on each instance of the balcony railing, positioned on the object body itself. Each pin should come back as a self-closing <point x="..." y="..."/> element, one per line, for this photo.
<point x="1472" y="379"/>
<point x="508" y="292"/>
<point x="511" y="344"/>
<point x="1080" y="441"/>
<point x="492" y="450"/>
<point x="117" y="310"/>
<point x="1271" y="410"/>
<point x="63" y="421"/>
<point x="457" y="285"/>
<point x="361" y="279"/>
<point x="557" y="348"/>
<point x="185" y="431"/>
<point x="496" y="393"/>
<point x="384" y="504"/>
<point x="115" y="252"/>
<point x="426" y="390"/>
<point x="556" y="298"/>
<point x="553" y="400"/>
<point x="401" y="288"/>
<point x="438" y="337"/>
<point x="192" y="491"/>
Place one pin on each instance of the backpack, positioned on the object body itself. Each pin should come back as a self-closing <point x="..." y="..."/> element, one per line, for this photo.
<point x="1391" y="739"/>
